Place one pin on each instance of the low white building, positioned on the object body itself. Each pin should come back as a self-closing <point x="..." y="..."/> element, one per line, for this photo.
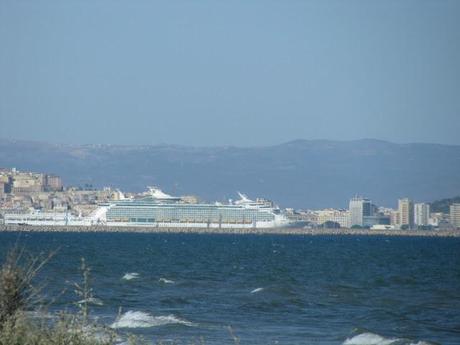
<point x="37" y="217"/>
<point x="382" y="227"/>
<point x="333" y="215"/>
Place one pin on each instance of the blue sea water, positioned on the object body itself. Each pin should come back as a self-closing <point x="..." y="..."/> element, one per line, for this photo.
<point x="269" y="289"/>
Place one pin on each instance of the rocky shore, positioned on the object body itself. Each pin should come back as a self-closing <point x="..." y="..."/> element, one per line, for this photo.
<point x="274" y="231"/>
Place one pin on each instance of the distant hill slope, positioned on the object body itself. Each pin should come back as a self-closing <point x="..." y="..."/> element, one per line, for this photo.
<point x="301" y="173"/>
<point x="443" y="205"/>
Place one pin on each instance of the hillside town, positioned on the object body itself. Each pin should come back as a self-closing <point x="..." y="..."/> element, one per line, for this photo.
<point x="25" y="192"/>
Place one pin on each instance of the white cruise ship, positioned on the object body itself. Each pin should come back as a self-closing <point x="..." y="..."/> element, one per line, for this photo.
<point x="159" y="209"/>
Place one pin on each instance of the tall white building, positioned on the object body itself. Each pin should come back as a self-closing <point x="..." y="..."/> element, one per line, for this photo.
<point x="359" y="208"/>
<point x="455" y="215"/>
<point x="421" y="214"/>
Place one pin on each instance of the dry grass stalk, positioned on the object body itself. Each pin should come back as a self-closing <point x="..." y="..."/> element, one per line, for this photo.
<point x="16" y="276"/>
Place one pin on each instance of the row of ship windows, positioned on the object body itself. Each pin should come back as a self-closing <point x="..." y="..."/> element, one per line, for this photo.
<point x="167" y="214"/>
<point x="152" y="220"/>
<point x="189" y="210"/>
<point x="35" y="219"/>
<point x="189" y="218"/>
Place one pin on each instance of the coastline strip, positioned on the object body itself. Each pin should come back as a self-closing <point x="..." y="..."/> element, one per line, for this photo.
<point x="256" y="231"/>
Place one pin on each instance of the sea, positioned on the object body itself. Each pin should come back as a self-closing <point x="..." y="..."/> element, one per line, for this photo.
<point x="257" y="289"/>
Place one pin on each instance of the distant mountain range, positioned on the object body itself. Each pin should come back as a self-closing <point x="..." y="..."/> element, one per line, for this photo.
<point x="300" y="174"/>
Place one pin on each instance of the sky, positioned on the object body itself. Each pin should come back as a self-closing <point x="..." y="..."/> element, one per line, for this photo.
<point x="243" y="73"/>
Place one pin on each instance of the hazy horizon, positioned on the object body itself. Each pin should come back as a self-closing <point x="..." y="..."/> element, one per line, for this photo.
<point x="220" y="146"/>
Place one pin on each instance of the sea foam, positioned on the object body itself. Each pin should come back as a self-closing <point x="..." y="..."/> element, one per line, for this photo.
<point x="257" y="290"/>
<point x="375" y="339"/>
<point x="139" y="319"/>
<point x="130" y="276"/>
<point x="369" y="339"/>
<point x="166" y="281"/>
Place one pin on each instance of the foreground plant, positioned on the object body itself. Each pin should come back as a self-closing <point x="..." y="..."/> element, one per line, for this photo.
<point x="17" y="293"/>
<point x="66" y="331"/>
<point x="19" y="296"/>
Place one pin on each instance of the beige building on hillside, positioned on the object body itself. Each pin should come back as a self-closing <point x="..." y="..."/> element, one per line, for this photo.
<point x="27" y="183"/>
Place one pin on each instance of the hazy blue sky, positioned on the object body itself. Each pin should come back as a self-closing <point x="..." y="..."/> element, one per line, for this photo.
<point x="229" y="72"/>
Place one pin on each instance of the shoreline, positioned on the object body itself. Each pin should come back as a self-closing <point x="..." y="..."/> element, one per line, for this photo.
<point x="261" y="231"/>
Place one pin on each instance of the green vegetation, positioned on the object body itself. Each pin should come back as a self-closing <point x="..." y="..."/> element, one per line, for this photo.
<point x="330" y="225"/>
<point x="19" y="297"/>
<point x="22" y="330"/>
<point x="443" y="204"/>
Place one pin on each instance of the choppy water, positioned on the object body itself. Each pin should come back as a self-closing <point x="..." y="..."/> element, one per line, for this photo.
<point x="269" y="289"/>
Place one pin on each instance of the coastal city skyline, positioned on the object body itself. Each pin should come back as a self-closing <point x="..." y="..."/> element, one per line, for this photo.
<point x="28" y="196"/>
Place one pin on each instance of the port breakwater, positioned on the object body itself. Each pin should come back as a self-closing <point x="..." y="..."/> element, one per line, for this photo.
<point x="242" y="231"/>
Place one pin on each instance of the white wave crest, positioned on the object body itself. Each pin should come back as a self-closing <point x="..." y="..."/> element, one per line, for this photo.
<point x="257" y="290"/>
<point x="130" y="276"/>
<point x="369" y="339"/>
<point x="166" y="281"/>
<point x="375" y="339"/>
<point x="139" y="319"/>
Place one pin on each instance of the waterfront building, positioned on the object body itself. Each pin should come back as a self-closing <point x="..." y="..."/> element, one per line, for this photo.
<point x="359" y="208"/>
<point x="455" y="215"/>
<point x="421" y="214"/>
<point x="52" y="218"/>
<point x="395" y="218"/>
<point x="437" y="218"/>
<point x="341" y="217"/>
<point x="406" y="212"/>
<point x="308" y="216"/>
<point x="376" y="219"/>
<point x="382" y="227"/>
